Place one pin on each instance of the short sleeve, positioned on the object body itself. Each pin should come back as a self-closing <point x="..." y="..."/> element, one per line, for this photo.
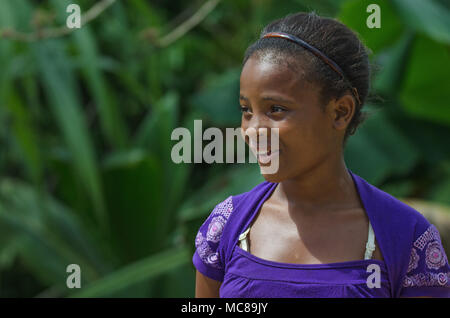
<point x="428" y="272"/>
<point x="206" y="258"/>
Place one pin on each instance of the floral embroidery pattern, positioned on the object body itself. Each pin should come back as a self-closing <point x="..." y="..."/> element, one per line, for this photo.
<point x="206" y="244"/>
<point x="414" y="260"/>
<point x="427" y="279"/>
<point x="215" y="229"/>
<point x="424" y="264"/>
<point x="224" y="208"/>
<point x="430" y="234"/>
<point x="435" y="255"/>
<point x="205" y="252"/>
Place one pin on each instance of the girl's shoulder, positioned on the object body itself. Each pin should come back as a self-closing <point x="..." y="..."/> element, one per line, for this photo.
<point x="207" y="257"/>
<point x="214" y="225"/>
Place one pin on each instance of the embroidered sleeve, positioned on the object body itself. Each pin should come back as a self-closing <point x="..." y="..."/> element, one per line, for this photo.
<point x="428" y="273"/>
<point x="206" y="258"/>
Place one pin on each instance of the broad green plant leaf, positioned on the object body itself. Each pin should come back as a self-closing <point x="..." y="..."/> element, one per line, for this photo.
<point x="139" y="271"/>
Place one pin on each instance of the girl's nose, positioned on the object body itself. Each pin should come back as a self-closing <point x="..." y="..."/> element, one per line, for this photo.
<point x="258" y="139"/>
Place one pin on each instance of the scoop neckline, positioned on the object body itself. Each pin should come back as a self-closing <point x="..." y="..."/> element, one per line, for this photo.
<point x="271" y="263"/>
<point x="305" y="266"/>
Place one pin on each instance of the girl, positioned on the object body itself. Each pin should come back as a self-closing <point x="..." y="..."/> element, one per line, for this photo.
<point x="313" y="228"/>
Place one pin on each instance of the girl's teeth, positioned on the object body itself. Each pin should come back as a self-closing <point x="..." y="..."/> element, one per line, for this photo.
<point x="265" y="157"/>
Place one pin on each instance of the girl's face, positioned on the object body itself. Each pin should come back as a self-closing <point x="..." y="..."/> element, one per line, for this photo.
<point x="277" y="96"/>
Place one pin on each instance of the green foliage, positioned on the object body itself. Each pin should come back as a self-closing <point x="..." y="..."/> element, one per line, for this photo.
<point x="353" y="14"/>
<point x="86" y="122"/>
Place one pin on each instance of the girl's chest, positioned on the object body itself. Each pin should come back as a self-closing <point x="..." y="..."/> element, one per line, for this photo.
<point x="312" y="239"/>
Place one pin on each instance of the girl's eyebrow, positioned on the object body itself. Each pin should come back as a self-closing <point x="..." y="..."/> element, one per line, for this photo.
<point x="272" y="98"/>
<point x="278" y="99"/>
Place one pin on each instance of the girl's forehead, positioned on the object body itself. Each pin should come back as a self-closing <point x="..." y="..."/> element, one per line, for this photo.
<point x="269" y="74"/>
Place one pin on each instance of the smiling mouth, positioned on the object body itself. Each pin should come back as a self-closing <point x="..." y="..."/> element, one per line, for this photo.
<point x="267" y="153"/>
<point x="264" y="157"/>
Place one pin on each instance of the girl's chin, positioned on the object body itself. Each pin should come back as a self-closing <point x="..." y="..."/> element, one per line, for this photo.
<point x="274" y="178"/>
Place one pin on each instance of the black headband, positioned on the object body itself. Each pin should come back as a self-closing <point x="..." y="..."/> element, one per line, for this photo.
<point x="317" y="53"/>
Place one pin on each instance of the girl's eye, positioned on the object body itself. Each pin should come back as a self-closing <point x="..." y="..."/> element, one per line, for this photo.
<point x="277" y="109"/>
<point x="243" y="109"/>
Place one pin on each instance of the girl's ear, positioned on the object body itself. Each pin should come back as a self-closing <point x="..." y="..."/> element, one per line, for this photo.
<point x="343" y="110"/>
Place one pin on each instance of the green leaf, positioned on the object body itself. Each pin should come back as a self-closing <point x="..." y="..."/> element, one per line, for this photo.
<point x="25" y="135"/>
<point x="403" y="188"/>
<point x="425" y="92"/>
<point x="429" y="138"/>
<point x="136" y="198"/>
<point x="377" y="148"/>
<point x="219" y="99"/>
<point x="441" y="192"/>
<point x="426" y="16"/>
<point x="440" y="189"/>
<point x="50" y="237"/>
<point x="110" y="119"/>
<point x="157" y="126"/>
<point x="365" y="159"/>
<point x="235" y="181"/>
<point x="155" y="134"/>
<point x="139" y="271"/>
<point x="21" y="13"/>
<point x="394" y="61"/>
<point x="354" y="15"/>
<point x="60" y="90"/>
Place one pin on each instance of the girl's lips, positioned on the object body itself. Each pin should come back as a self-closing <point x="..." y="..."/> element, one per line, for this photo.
<point x="265" y="152"/>
<point x="262" y="150"/>
<point x="266" y="157"/>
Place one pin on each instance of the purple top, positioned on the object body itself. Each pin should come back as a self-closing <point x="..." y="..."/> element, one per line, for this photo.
<point x="415" y="263"/>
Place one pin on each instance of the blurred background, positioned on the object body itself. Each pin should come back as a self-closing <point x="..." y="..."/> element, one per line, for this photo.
<point x="86" y="117"/>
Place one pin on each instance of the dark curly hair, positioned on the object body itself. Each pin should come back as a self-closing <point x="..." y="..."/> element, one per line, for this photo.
<point x="332" y="38"/>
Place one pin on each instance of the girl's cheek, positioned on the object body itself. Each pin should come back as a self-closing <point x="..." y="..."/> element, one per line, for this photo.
<point x="243" y="135"/>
